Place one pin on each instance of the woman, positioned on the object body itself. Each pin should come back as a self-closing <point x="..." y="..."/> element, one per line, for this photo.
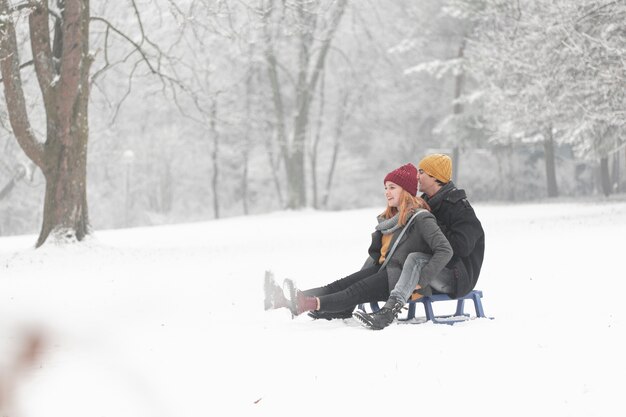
<point x="406" y="226"/>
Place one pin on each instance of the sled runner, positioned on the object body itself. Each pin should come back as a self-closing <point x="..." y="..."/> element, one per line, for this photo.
<point x="428" y="301"/>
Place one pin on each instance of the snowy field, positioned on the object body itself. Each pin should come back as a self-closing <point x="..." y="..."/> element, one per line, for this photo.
<point x="169" y="322"/>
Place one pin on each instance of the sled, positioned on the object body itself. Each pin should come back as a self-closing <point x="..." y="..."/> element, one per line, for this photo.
<point x="428" y="301"/>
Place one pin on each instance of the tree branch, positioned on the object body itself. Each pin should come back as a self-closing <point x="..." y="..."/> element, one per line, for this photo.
<point x="24" y="65"/>
<point x="42" y="54"/>
<point x="13" y="92"/>
<point x="127" y="38"/>
<point x="341" y="5"/>
<point x="140" y="23"/>
<point x="596" y="10"/>
<point x="21" y="171"/>
<point x="270" y="57"/>
<point x="165" y="79"/>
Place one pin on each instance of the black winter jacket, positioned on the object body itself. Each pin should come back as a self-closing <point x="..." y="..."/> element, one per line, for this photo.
<point x="459" y="224"/>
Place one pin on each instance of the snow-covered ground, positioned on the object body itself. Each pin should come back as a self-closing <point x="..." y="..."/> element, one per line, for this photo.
<point x="169" y="321"/>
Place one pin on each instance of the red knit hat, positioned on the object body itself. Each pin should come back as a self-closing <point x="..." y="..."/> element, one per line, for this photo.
<point x="405" y="177"/>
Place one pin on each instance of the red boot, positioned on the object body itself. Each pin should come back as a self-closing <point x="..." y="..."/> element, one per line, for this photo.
<point x="304" y="303"/>
<point x="299" y="303"/>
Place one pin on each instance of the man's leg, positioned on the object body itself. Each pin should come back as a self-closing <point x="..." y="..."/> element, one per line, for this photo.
<point x="410" y="276"/>
<point x="443" y="282"/>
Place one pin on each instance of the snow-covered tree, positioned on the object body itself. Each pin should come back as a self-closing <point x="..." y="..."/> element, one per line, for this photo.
<point x="548" y="70"/>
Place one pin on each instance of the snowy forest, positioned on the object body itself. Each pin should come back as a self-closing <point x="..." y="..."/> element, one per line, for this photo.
<point x="167" y="111"/>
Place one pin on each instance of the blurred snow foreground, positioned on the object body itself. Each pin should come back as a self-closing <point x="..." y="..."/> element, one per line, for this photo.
<point x="169" y="321"/>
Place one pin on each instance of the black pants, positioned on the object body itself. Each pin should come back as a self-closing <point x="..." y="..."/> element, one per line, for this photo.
<point x="365" y="286"/>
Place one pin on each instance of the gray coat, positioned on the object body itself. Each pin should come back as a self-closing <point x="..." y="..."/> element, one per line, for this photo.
<point x="421" y="234"/>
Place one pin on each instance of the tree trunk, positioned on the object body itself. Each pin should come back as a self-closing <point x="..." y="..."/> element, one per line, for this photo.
<point x="510" y="173"/>
<point x="605" y="179"/>
<point x="316" y="142"/>
<point x="65" y="202"/>
<point x="293" y="152"/>
<point x="296" y="174"/>
<point x="296" y="191"/>
<point x="63" y="76"/>
<point x="275" y="168"/>
<point x="506" y="183"/>
<point x="548" y="147"/>
<point x="244" y="181"/>
<point x="615" y="173"/>
<point x="246" y="137"/>
<point x="331" y="171"/>
<point x="342" y="118"/>
<point x="166" y="185"/>
<point x="215" y="160"/>
<point x="621" y="178"/>
<point x="277" y="98"/>
<point x="457" y="110"/>
<point x="456" y="155"/>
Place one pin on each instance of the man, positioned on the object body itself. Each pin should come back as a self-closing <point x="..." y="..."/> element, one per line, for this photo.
<point x="459" y="224"/>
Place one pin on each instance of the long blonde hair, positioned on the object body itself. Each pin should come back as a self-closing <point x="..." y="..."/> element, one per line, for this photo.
<point x="408" y="204"/>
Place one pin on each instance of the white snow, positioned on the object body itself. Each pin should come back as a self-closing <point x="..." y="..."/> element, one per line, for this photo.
<point x="169" y="321"/>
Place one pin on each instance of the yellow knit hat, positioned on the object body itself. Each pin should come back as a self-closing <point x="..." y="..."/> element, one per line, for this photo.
<point x="437" y="165"/>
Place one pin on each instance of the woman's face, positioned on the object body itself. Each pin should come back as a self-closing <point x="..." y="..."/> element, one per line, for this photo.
<point x="392" y="193"/>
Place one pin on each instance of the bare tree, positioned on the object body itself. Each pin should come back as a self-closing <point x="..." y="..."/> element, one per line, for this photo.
<point x="62" y="67"/>
<point x="308" y="70"/>
<point x="62" y="64"/>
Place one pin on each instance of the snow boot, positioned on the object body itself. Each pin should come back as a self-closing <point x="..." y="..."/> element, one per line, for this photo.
<point x="381" y="318"/>
<point x="274" y="296"/>
<point x="330" y="315"/>
<point x="299" y="303"/>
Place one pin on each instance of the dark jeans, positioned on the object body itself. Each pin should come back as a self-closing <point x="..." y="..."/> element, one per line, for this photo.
<point x="365" y="286"/>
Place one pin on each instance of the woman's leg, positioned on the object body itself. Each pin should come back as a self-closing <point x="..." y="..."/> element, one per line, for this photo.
<point x="337" y="286"/>
<point x="373" y="287"/>
<point x="309" y="300"/>
<point x="341" y="284"/>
